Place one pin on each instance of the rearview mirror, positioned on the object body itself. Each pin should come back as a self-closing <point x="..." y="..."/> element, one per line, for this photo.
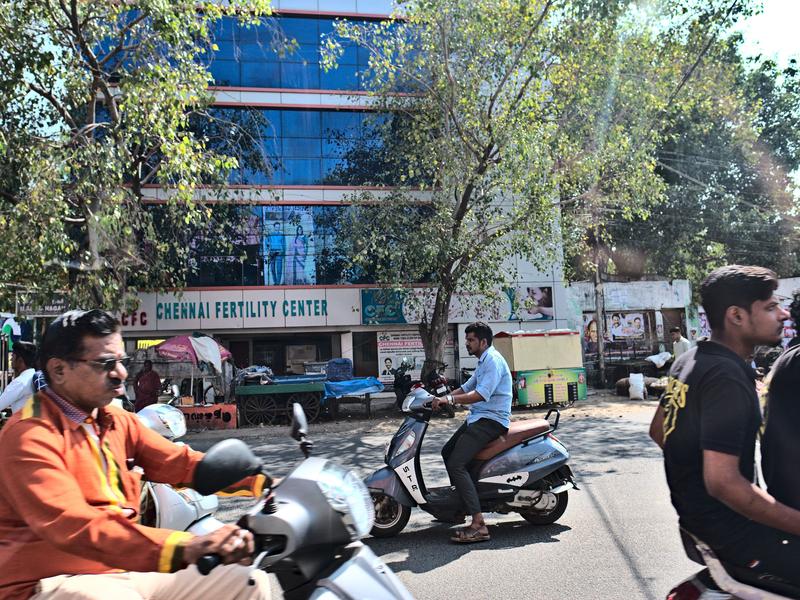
<point x="224" y="464"/>
<point x="299" y="422"/>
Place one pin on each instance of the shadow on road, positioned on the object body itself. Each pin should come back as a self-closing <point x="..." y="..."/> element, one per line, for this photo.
<point x="430" y="548"/>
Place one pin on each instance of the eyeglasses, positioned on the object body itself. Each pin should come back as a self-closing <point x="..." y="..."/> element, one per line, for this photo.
<point x="108" y="364"/>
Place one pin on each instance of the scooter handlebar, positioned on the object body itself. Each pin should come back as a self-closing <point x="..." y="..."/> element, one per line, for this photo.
<point x="207" y="562"/>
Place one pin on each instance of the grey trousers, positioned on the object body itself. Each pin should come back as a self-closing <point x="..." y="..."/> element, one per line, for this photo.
<point x="460" y="449"/>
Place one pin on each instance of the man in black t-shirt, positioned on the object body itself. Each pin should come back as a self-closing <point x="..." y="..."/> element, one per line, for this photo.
<point x="780" y="447"/>
<point x="710" y="416"/>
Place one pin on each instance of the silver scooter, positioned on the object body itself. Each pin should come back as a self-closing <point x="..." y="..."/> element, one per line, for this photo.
<point x="307" y="529"/>
<point x="161" y="504"/>
<point x="524" y="471"/>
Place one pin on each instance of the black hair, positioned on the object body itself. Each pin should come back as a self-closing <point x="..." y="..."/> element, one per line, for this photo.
<point x="794" y="308"/>
<point x="26" y="351"/>
<point x="64" y="336"/>
<point x="481" y="330"/>
<point x="147" y="362"/>
<point x="735" y="285"/>
<point x="674" y="329"/>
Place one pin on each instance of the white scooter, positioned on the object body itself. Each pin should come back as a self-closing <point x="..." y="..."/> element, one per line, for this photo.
<point x="162" y="505"/>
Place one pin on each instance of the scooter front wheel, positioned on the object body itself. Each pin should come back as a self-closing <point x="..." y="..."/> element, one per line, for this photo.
<point x="548" y="510"/>
<point x="390" y="516"/>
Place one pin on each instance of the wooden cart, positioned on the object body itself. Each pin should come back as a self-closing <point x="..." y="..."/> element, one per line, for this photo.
<point x="271" y="404"/>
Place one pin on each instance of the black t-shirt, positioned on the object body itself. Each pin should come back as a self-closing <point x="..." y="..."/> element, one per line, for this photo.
<point x="710" y="404"/>
<point x="780" y="447"/>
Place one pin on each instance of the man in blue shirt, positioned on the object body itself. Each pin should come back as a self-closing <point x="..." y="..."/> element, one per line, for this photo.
<point x="488" y="394"/>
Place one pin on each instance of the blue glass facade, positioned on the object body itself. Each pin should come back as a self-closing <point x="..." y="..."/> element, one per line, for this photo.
<point x="252" y="56"/>
<point x="300" y="147"/>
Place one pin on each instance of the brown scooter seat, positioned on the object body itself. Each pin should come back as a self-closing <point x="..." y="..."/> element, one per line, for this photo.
<point x="519" y="431"/>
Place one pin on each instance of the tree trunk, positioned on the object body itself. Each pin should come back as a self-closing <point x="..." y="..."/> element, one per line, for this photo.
<point x="600" y="320"/>
<point x="434" y="334"/>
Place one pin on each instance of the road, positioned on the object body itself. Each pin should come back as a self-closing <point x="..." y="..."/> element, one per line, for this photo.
<point x="617" y="540"/>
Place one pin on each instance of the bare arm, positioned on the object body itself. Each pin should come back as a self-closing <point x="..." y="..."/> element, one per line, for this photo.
<point x="725" y="483"/>
<point x="459" y="397"/>
<point x="657" y="427"/>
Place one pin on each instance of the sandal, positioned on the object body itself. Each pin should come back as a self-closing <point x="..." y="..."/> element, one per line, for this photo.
<point x="470" y="535"/>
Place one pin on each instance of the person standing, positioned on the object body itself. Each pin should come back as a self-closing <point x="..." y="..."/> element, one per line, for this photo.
<point x="488" y="394"/>
<point x="299" y="253"/>
<point x="23" y="360"/>
<point x="707" y="424"/>
<point x="146" y="386"/>
<point x="679" y="343"/>
<point x="275" y="252"/>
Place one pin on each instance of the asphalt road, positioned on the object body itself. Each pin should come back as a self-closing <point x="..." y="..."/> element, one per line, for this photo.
<point x="617" y="540"/>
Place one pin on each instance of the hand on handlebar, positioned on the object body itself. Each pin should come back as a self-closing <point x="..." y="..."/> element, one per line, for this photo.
<point x="231" y="543"/>
<point x="437" y="403"/>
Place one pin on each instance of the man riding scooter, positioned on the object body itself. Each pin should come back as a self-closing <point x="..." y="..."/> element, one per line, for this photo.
<point x="488" y="394"/>
<point x="69" y="492"/>
<point x="707" y="425"/>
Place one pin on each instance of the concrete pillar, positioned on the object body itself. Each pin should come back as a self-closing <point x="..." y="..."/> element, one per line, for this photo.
<point x="347" y="344"/>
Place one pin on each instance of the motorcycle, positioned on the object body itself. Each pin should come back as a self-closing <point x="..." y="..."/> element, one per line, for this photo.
<point x="402" y="383"/>
<point x="307" y="528"/>
<point x="721" y="581"/>
<point x="524" y="471"/>
<point x="161" y="504"/>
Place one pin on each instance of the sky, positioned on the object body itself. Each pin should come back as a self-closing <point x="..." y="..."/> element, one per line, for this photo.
<point x="774" y="32"/>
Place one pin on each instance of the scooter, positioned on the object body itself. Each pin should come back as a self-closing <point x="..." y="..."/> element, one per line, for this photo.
<point x="307" y="528"/>
<point x="524" y="471"/>
<point x="720" y="581"/>
<point x="161" y="504"/>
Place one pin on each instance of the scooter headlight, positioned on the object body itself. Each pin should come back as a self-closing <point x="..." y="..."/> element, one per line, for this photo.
<point x="348" y="496"/>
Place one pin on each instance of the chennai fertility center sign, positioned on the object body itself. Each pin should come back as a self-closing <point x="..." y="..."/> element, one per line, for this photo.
<point x="244" y="309"/>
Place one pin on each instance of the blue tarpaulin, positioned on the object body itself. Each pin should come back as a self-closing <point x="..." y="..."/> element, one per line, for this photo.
<point x="353" y="387"/>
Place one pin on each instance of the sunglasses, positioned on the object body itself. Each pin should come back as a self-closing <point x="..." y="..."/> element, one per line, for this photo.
<point x="108" y="364"/>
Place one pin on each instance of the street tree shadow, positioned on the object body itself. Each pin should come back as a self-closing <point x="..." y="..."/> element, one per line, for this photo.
<point x="430" y="548"/>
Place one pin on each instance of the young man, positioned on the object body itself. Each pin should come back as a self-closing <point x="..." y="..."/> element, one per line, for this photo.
<point x="711" y="416"/>
<point x="69" y="496"/>
<point x="21" y="387"/>
<point x="679" y="343"/>
<point x="488" y="394"/>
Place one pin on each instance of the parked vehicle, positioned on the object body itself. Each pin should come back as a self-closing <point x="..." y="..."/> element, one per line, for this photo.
<point x="161" y="504"/>
<point x="307" y="529"/>
<point x="524" y="471"/>
<point x="402" y="383"/>
<point x="720" y="581"/>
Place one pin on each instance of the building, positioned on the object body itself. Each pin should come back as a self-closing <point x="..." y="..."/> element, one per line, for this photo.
<point x="286" y="303"/>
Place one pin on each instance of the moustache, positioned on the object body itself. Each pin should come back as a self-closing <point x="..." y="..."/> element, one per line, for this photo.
<point x="114" y="384"/>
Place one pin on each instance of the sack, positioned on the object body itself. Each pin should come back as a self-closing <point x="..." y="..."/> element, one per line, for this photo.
<point x="339" y="369"/>
<point x="636" y="390"/>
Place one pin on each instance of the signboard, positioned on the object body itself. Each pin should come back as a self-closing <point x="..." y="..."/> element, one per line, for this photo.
<point x="243" y="309"/>
<point x="34" y="305"/>
<point x="215" y="416"/>
<point x="398" y="347"/>
<point x="551" y="386"/>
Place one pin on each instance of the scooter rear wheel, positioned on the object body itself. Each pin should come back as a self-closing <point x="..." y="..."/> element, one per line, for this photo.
<point x="390" y="516"/>
<point x="551" y="511"/>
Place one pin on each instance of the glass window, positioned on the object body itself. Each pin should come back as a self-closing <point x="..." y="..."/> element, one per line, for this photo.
<point x="300" y="76"/>
<point x="301" y="123"/>
<point x="302" y="147"/>
<point x="260" y="74"/>
<point x="305" y="31"/>
<point x="344" y="77"/>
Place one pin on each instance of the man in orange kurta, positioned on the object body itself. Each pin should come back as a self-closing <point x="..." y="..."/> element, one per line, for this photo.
<point x="69" y="495"/>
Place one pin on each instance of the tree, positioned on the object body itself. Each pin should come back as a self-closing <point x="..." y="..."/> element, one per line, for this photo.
<point x="513" y="111"/>
<point x="726" y="157"/>
<point x="96" y="105"/>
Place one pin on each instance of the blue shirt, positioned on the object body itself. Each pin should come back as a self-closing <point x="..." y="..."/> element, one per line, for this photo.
<point x="492" y="380"/>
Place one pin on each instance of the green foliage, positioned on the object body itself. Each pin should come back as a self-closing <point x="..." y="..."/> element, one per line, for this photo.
<point x="96" y="102"/>
<point x="514" y="111"/>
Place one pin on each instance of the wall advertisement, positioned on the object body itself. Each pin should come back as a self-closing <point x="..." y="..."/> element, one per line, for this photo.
<point x="405" y="347"/>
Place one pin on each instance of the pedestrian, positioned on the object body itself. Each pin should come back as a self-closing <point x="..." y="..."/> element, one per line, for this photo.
<point x="488" y="394"/>
<point x="710" y="417"/>
<point x="679" y="343"/>
<point x="69" y="492"/>
<point x="146" y="386"/>
<point x="23" y="360"/>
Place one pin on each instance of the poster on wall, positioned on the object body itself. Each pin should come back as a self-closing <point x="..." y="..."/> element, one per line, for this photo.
<point x="622" y="326"/>
<point x="405" y="347"/>
<point x="530" y="303"/>
<point x="288" y="246"/>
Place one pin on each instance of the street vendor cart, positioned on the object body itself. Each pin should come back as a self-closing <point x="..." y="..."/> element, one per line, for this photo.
<point x="546" y="366"/>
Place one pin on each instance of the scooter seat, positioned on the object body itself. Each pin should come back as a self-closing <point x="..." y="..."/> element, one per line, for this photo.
<point x="519" y="431"/>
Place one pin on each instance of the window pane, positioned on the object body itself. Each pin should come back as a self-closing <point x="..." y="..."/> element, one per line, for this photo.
<point x="301" y="147"/>
<point x="344" y="77"/>
<point x="305" y="31"/>
<point x="301" y="123"/>
<point x="260" y="74"/>
<point x="302" y="172"/>
<point x="300" y="76"/>
<point x="225" y="72"/>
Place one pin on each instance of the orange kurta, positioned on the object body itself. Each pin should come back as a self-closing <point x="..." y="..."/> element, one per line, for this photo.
<point x="69" y="503"/>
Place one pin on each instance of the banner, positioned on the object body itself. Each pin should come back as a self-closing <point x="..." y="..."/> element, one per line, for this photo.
<point x="405" y="347"/>
<point x="289" y="246"/>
